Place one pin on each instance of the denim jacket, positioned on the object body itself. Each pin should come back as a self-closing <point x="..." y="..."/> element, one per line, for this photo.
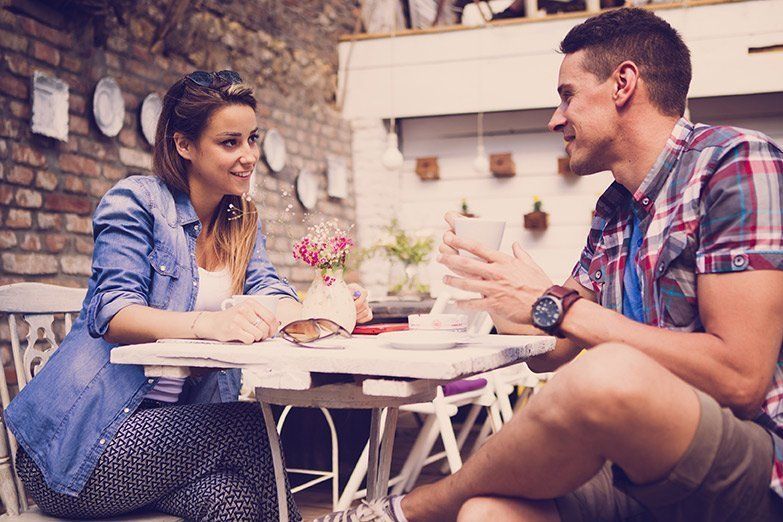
<point x="145" y="254"/>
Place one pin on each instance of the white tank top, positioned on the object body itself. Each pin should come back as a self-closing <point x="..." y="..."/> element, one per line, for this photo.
<point x="214" y="288"/>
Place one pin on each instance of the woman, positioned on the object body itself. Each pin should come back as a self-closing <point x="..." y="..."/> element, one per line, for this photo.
<point x="101" y="440"/>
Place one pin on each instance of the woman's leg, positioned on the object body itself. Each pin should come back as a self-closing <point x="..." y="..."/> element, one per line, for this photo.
<point x="171" y="451"/>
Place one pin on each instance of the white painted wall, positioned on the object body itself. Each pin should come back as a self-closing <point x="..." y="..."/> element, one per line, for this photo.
<point x="420" y="205"/>
<point x="514" y="67"/>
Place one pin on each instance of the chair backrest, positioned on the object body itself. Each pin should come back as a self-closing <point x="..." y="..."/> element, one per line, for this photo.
<point x="478" y="322"/>
<point x="35" y="304"/>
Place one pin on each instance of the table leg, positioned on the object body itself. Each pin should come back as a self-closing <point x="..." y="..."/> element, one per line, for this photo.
<point x="380" y="453"/>
<point x="277" y="461"/>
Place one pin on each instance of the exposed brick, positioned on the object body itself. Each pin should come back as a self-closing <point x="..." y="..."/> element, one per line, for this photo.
<point x="46" y="53"/>
<point x="98" y="187"/>
<point x="74" y="184"/>
<point x="18" y="65"/>
<point x="55" y="243"/>
<point x="72" y="63"/>
<point x="27" y="155"/>
<point x="77" y="104"/>
<point x="7" y="239"/>
<point x="9" y="128"/>
<point x="6" y="194"/>
<point x="82" y="225"/>
<point x="92" y="148"/>
<point x="13" y="41"/>
<point x="31" y="243"/>
<point x="113" y="61"/>
<point x="79" y="165"/>
<point x="20" y="110"/>
<point x="68" y="203"/>
<point x="39" y="30"/>
<point x="47" y="221"/>
<point x="4" y="149"/>
<point x="113" y="172"/>
<point x="30" y="264"/>
<point x="76" y="265"/>
<point x="46" y="180"/>
<point x="128" y="138"/>
<point x="78" y="125"/>
<point x="18" y="218"/>
<point x="28" y="198"/>
<point x="21" y="175"/>
<point x="13" y="86"/>
<point x="83" y="245"/>
<point x="135" y="158"/>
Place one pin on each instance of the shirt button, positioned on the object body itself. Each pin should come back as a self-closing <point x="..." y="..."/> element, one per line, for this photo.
<point x="102" y="442"/>
<point x="195" y="283"/>
<point x="739" y="261"/>
<point x="197" y="228"/>
<point x="126" y="410"/>
<point x="150" y="381"/>
<point x="162" y="268"/>
<point x="646" y="201"/>
<point x="598" y="274"/>
<point x="661" y="267"/>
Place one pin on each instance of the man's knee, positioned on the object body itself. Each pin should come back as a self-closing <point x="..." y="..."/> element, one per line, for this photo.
<point x="605" y="384"/>
<point x="480" y="509"/>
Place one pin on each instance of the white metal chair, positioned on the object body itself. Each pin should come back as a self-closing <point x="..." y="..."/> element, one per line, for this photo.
<point x="35" y="304"/>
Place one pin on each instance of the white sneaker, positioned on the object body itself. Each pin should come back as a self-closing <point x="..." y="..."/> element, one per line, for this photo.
<point x="379" y="510"/>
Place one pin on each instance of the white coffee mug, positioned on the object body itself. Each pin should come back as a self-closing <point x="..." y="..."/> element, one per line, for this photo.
<point x="268" y="301"/>
<point x="488" y="232"/>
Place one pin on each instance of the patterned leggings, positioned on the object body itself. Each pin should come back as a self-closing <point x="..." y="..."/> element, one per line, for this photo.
<point x="206" y="462"/>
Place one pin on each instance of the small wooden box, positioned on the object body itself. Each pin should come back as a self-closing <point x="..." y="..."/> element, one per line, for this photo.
<point x="427" y="168"/>
<point x="536" y="220"/>
<point x="564" y="166"/>
<point x="502" y="165"/>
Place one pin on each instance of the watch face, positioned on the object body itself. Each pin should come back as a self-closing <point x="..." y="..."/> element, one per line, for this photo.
<point x="546" y="312"/>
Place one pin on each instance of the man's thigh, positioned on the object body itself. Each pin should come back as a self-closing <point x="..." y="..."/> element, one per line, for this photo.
<point x="723" y="475"/>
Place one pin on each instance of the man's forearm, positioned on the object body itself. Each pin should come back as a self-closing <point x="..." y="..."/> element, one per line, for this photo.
<point x="700" y="359"/>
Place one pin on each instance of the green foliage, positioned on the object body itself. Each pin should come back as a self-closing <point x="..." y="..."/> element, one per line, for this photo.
<point x="399" y="244"/>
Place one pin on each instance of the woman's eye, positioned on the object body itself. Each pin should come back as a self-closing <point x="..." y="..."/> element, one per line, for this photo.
<point x="229" y="143"/>
<point x="253" y="138"/>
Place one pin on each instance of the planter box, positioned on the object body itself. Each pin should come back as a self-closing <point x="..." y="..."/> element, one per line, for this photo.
<point x="536" y="220"/>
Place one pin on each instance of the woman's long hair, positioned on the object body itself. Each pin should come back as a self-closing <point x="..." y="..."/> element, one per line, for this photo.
<point x="187" y="108"/>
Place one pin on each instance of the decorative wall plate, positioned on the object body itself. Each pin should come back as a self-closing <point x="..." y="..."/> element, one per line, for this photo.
<point x="108" y="107"/>
<point x="337" y="177"/>
<point x="307" y="189"/>
<point x="148" y="116"/>
<point x="50" y="107"/>
<point x="274" y="150"/>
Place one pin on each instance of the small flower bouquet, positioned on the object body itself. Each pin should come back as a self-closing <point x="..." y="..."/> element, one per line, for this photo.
<point x="325" y="247"/>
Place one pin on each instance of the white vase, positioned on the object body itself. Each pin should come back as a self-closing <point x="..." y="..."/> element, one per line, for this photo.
<point x="330" y="298"/>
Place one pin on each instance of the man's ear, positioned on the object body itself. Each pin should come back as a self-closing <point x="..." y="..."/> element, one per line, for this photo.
<point x="184" y="147"/>
<point x="625" y="82"/>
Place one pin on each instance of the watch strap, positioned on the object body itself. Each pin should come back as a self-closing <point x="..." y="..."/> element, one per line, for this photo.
<point x="567" y="297"/>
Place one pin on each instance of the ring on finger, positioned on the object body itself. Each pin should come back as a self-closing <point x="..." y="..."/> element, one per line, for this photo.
<point x="257" y="321"/>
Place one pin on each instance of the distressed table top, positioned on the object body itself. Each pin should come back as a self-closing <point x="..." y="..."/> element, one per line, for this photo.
<point x="363" y="355"/>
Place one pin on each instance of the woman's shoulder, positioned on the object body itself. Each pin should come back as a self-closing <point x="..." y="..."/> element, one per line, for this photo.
<point x="147" y="190"/>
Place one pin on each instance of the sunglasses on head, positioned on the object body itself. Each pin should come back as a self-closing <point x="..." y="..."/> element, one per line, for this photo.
<point x="214" y="79"/>
<point x="309" y="330"/>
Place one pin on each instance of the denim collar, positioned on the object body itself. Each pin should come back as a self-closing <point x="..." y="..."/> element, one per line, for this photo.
<point x="185" y="212"/>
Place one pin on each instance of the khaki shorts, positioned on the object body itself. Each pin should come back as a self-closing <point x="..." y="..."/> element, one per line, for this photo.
<point x="724" y="475"/>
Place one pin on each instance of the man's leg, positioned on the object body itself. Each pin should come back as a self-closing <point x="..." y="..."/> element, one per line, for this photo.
<point x="612" y="403"/>
<point x="479" y="509"/>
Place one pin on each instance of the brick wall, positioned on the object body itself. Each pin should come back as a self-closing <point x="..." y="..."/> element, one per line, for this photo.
<point x="48" y="188"/>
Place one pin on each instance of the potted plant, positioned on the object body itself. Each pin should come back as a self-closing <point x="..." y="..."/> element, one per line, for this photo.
<point x="408" y="251"/>
<point x="538" y="219"/>
<point x="464" y="209"/>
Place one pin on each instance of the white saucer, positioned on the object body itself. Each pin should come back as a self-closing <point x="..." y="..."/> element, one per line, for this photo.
<point x="151" y="108"/>
<point x="422" y="339"/>
<point x="108" y="106"/>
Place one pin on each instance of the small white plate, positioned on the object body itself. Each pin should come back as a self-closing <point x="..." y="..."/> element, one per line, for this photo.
<point x="151" y="108"/>
<point x="422" y="339"/>
<point x="307" y="189"/>
<point x="274" y="150"/>
<point x="108" y="106"/>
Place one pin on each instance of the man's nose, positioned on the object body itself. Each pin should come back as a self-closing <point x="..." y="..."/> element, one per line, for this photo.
<point x="557" y="121"/>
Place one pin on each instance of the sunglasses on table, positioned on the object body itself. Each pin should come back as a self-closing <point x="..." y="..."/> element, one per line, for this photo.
<point x="306" y="331"/>
<point x="214" y="79"/>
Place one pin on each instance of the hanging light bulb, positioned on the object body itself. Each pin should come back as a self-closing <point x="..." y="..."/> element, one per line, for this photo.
<point x="392" y="157"/>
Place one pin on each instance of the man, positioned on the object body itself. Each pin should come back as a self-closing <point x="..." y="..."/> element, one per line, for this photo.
<point x="677" y="300"/>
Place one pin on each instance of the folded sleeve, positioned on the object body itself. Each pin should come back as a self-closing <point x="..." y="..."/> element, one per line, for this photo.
<point x="261" y="277"/>
<point x="122" y="230"/>
<point x="741" y="228"/>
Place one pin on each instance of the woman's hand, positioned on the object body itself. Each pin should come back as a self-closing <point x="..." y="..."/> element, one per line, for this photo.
<point x="363" y="310"/>
<point x="247" y="322"/>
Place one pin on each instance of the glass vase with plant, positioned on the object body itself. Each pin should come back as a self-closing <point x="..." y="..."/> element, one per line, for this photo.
<point x="409" y="251"/>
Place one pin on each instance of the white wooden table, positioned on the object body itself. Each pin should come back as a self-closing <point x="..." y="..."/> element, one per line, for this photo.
<point x="366" y="374"/>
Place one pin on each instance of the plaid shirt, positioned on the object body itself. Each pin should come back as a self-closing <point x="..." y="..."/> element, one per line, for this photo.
<point x="711" y="203"/>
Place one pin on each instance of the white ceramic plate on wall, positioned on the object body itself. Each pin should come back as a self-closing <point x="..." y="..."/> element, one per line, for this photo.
<point x="108" y="107"/>
<point x="274" y="150"/>
<point x="151" y="108"/>
<point x="307" y="189"/>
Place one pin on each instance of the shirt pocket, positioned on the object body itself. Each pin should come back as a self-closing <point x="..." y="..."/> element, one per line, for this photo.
<point x="164" y="272"/>
<point x="675" y="281"/>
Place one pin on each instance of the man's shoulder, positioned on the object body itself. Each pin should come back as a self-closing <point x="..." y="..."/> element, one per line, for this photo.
<point x="723" y="137"/>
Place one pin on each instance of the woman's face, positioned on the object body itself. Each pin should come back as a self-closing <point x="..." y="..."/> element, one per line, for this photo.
<point x="225" y="154"/>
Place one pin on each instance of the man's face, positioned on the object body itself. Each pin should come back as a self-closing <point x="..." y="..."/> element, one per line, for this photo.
<point x="585" y="116"/>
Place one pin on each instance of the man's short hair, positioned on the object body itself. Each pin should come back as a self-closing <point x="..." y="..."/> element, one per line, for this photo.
<point x="637" y="35"/>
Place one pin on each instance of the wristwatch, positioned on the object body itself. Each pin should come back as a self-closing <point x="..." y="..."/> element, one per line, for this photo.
<point x="549" y="309"/>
